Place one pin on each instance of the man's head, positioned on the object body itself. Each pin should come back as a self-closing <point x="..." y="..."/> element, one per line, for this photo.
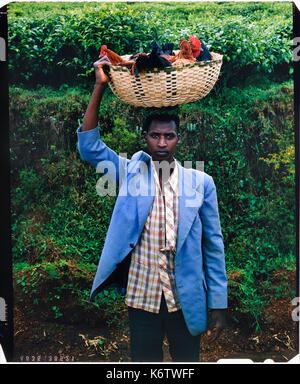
<point x="161" y="134"/>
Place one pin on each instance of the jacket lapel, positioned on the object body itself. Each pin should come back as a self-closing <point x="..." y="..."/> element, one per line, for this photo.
<point x="190" y="199"/>
<point x="145" y="187"/>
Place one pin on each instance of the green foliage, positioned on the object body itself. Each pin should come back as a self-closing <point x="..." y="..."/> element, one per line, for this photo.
<point x="60" y="291"/>
<point x="61" y="47"/>
<point x="245" y="297"/>
<point x="50" y="226"/>
<point x="121" y="138"/>
<point x="42" y="121"/>
<point x="114" y="309"/>
<point x="252" y="290"/>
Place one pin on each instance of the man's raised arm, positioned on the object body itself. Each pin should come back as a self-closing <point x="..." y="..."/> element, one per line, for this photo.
<point x="90" y="119"/>
<point x="90" y="145"/>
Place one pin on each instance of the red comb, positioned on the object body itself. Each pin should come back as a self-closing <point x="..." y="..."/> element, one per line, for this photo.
<point x="103" y="50"/>
<point x="196" y="45"/>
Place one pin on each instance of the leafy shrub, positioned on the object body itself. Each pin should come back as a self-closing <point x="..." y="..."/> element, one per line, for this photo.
<point x="61" y="47"/>
<point x="60" y="291"/>
<point x="68" y="220"/>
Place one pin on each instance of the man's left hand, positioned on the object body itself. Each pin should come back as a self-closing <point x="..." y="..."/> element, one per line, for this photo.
<point x="217" y="321"/>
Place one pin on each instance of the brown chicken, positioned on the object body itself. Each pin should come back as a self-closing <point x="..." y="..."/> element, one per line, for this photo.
<point x="113" y="57"/>
<point x="185" y="52"/>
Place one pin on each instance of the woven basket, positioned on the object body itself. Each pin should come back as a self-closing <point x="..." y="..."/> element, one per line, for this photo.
<point x="168" y="86"/>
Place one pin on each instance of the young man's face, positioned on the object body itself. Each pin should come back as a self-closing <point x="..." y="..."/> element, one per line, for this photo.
<point x="161" y="140"/>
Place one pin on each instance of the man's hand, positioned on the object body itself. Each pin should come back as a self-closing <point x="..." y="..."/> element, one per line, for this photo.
<point x="101" y="77"/>
<point x="217" y="321"/>
<point x="90" y="119"/>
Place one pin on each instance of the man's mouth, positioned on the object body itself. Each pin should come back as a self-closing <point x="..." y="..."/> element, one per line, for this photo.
<point x="162" y="153"/>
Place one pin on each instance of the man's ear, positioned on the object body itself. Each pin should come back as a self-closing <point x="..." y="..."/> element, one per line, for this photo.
<point x="144" y="136"/>
<point x="143" y="140"/>
<point x="179" y="138"/>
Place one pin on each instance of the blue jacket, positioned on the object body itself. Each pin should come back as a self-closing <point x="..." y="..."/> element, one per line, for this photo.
<point x="200" y="274"/>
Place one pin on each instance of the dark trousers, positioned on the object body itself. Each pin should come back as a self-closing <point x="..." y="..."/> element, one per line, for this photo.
<point x="147" y="331"/>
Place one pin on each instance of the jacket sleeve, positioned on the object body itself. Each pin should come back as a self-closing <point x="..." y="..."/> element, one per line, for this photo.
<point x="93" y="150"/>
<point x="213" y="249"/>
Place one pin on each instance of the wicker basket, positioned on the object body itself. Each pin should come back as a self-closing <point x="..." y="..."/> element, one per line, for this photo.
<point x="166" y="87"/>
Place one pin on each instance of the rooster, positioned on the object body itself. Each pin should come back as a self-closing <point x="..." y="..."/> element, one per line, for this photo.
<point x="195" y="45"/>
<point x="185" y="55"/>
<point x="113" y="57"/>
<point x="199" y="49"/>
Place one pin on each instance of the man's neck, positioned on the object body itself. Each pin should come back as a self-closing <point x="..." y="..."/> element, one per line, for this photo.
<point x="164" y="169"/>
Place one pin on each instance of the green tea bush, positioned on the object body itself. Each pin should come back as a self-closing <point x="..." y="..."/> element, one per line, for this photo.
<point x="67" y="220"/>
<point x="60" y="291"/>
<point x="62" y="47"/>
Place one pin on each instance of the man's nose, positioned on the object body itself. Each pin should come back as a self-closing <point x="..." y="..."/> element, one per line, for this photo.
<point x="162" y="142"/>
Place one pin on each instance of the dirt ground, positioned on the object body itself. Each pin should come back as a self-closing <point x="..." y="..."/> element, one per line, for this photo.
<point x="45" y="341"/>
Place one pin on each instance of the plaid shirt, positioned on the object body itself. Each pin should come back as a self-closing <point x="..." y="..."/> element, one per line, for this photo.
<point x="151" y="271"/>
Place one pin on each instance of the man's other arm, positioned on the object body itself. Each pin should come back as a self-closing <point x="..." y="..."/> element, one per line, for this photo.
<point x="213" y="248"/>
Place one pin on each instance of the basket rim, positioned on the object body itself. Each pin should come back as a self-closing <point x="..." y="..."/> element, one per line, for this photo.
<point x="218" y="59"/>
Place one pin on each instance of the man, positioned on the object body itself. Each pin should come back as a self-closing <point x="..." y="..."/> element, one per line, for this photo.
<point x="164" y="245"/>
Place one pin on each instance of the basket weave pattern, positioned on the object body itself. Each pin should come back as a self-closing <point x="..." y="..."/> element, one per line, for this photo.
<point x="166" y="87"/>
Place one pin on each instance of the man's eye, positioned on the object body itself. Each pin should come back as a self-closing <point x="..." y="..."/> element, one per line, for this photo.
<point x="170" y="137"/>
<point x="154" y="136"/>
